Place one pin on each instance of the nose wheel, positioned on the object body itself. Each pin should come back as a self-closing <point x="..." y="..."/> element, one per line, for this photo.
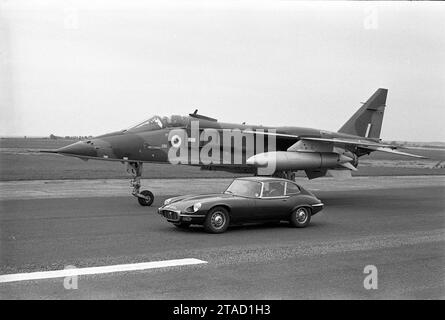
<point x="145" y="197"/>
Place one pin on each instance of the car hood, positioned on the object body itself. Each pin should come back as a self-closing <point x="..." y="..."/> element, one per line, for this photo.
<point x="189" y="200"/>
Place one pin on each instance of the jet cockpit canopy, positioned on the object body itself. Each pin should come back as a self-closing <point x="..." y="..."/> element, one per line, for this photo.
<point x="158" y="122"/>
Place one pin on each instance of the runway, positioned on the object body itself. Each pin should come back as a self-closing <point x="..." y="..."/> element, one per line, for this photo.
<point x="394" y="223"/>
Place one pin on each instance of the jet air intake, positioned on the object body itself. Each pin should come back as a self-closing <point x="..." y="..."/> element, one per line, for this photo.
<point x="284" y="160"/>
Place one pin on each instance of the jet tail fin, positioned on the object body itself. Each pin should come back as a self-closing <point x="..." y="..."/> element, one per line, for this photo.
<point x="367" y="121"/>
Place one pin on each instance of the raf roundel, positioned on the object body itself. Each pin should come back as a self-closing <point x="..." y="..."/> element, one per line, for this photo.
<point x="176" y="141"/>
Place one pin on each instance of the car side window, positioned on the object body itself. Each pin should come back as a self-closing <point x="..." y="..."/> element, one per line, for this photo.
<point x="273" y="189"/>
<point x="292" y="189"/>
<point x="244" y="188"/>
<point x="254" y="190"/>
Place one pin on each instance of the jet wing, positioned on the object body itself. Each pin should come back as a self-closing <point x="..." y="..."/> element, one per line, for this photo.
<point x="389" y="150"/>
<point x="358" y="142"/>
<point x="282" y="135"/>
<point x="364" y="144"/>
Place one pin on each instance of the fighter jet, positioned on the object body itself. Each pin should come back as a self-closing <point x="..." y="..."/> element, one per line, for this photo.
<point x="184" y="140"/>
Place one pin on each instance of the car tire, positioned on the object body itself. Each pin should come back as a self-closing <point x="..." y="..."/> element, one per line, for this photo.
<point x="182" y="225"/>
<point x="217" y="220"/>
<point x="300" y="217"/>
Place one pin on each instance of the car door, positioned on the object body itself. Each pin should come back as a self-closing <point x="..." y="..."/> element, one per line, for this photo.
<point x="242" y="203"/>
<point x="273" y="203"/>
<point x="241" y="208"/>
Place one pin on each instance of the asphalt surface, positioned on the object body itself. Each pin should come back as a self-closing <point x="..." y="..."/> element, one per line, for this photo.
<point x="399" y="228"/>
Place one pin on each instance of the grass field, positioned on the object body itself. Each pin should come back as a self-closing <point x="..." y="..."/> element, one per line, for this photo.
<point x="19" y="162"/>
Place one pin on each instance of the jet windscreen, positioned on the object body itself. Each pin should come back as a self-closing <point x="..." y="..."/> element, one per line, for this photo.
<point x="157" y="123"/>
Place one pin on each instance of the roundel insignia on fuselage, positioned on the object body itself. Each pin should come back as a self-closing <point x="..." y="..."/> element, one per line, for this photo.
<point x="176" y="141"/>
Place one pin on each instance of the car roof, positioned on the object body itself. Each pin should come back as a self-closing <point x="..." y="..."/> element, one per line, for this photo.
<point x="262" y="179"/>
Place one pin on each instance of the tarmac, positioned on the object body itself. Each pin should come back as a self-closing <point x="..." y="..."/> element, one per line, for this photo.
<point x="124" y="251"/>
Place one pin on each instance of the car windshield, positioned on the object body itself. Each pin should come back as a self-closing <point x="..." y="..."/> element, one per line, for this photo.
<point x="244" y="188"/>
<point x="158" y="122"/>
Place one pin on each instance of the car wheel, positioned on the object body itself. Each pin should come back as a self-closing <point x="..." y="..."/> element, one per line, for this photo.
<point x="217" y="220"/>
<point x="300" y="217"/>
<point x="182" y="225"/>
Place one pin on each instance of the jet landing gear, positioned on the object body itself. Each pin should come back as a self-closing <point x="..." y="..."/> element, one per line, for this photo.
<point x="145" y="197"/>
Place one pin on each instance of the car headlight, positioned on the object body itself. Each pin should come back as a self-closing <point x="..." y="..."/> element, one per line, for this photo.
<point x="167" y="201"/>
<point x="196" y="206"/>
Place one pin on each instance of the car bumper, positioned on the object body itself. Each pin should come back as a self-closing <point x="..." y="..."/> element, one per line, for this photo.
<point x="177" y="216"/>
<point x="317" y="208"/>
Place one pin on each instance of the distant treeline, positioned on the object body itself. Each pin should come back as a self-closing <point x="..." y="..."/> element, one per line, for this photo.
<point x="435" y="144"/>
<point x="54" y="137"/>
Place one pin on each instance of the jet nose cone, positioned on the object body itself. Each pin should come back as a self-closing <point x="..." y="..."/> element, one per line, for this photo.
<point x="81" y="149"/>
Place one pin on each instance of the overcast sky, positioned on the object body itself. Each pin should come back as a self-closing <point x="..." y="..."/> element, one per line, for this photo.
<point x="89" y="67"/>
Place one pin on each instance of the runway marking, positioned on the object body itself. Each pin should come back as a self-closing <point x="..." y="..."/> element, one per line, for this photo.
<point x="98" y="270"/>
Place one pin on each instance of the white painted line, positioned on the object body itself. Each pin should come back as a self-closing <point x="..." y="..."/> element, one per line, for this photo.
<point x="97" y="270"/>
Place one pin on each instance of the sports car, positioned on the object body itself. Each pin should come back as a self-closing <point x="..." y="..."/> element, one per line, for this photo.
<point x="246" y="200"/>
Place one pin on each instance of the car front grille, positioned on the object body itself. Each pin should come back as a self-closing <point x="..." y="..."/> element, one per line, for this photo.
<point x="170" y="215"/>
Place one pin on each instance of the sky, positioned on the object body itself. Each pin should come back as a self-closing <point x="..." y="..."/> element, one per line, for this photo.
<point x="91" y="67"/>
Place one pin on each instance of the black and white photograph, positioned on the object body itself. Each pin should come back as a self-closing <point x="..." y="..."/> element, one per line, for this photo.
<point x="222" y="156"/>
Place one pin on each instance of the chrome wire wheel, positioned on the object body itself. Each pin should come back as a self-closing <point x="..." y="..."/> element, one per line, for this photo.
<point x="302" y="215"/>
<point x="217" y="220"/>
